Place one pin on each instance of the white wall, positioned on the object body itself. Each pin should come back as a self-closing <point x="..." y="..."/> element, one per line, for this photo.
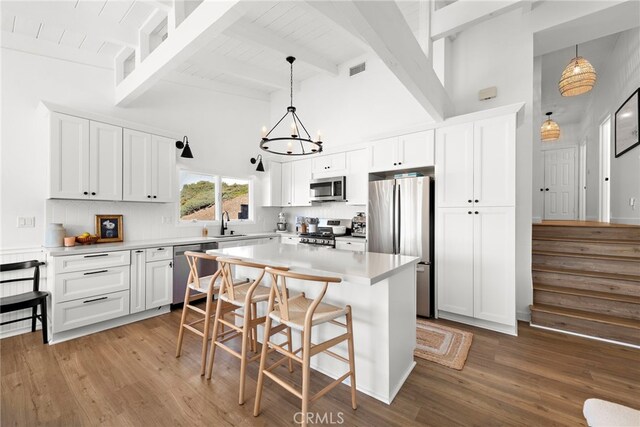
<point x="347" y="109"/>
<point x="499" y="52"/>
<point x="221" y="129"/>
<point x="616" y="82"/>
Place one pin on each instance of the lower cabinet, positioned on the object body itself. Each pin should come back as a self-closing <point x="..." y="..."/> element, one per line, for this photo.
<point x="351" y="246"/>
<point x="86" y="311"/>
<point x="475" y="263"/>
<point x="151" y="278"/>
<point x="290" y="240"/>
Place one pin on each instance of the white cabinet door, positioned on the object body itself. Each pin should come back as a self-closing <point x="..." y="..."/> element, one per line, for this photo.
<point x="163" y="169"/>
<point x="454" y="260"/>
<point x="105" y="148"/>
<point x="272" y="185"/>
<point x="416" y="150"/>
<point x="137" y="291"/>
<point x="329" y="165"/>
<point x="351" y="246"/>
<point x="494" y="153"/>
<point x="87" y="311"/>
<point x="287" y="181"/>
<point x="454" y="166"/>
<point x="69" y="157"/>
<point x="301" y="171"/>
<point x="321" y="164"/>
<point x="137" y="166"/>
<point x="357" y="177"/>
<point x="384" y="154"/>
<point x="494" y="265"/>
<point x="159" y="283"/>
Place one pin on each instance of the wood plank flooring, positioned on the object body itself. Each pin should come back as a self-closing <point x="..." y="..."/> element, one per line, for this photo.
<point x="129" y="376"/>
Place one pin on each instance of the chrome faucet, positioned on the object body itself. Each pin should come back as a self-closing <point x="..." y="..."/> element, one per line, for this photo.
<point x="222" y="225"/>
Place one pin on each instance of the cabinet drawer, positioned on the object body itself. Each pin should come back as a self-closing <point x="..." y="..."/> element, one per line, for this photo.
<point x="68" y="264"/>
<point x="351" y="246"/>
<point x="87" y="311"/>
<point x="159" y="254"/>
<point x="84" y="284"/>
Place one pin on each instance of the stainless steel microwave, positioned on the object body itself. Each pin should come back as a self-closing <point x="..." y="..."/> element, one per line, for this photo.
<point x="328" y="189"/>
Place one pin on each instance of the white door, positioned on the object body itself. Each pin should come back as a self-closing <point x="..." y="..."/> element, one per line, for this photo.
<point x="454" y="166"/>
<point x="604" y="208"/>
<point x="163" y="168"/>
<point x="560" y="184"/>
<point x="384" y="155"/>
<point x="454" y="260"/>
<point x="416" y="149"/>
<point x="137" y="299"/>
<point x="287" y="181"/>
<point x="494" y="161"/>
<point x="69" y="157"/>
<point x="494" y="265"/>
<point x="301" y="170"/>
<point x="159" y="283"/>
<point x="137" y="166"/>
<point x="582" y="182"/>
<point x="105" y="181"/>
<point x="357" y="177"/>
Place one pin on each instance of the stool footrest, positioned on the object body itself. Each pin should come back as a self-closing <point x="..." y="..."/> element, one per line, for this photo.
<point x="325" y="390"/>
<point x="286" y="386"/>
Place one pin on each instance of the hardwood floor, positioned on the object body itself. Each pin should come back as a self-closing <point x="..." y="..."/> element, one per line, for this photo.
<point x="129" y="376"/>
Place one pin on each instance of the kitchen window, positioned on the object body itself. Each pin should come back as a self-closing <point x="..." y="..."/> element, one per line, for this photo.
<point x="204" y="197"/>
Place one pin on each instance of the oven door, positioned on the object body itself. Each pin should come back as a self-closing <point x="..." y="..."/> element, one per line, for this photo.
<point x="327" y="189"/>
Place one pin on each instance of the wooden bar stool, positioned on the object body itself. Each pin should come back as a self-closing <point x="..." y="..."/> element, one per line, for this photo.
<point x="197" y="289"/>
<point x="302" y="314"/>
<point x="246" y="297"/>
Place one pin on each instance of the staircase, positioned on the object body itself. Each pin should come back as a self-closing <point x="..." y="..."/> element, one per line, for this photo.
<point x="586" y="279"/>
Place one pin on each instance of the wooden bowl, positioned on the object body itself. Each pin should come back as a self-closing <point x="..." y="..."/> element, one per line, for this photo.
<point x="86" y="240"/>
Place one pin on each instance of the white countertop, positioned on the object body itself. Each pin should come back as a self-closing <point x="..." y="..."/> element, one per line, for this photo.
<point x="140" y="244"/>
<point x="355" y="267"/>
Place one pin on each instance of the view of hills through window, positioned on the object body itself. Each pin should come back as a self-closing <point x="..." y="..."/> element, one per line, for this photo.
<point x="199" y="195"/>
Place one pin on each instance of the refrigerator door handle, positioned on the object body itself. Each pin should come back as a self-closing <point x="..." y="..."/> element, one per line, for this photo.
<point x="393" y="219"/>
<point x="399" y="204"/>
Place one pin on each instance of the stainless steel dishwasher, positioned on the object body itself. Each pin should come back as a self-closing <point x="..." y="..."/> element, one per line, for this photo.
<point x="181" y="267"/>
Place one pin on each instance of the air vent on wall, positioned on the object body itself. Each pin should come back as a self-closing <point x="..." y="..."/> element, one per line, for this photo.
<point x="357" y="69"/>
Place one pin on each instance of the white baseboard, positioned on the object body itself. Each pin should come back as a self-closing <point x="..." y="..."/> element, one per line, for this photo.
<point x="524" y="316"/>
<point x="630" y="221"/>
<point x="536" y="220"/>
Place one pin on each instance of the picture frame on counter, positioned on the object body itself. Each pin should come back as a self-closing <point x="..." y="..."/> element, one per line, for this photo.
<point x="109" y="228"/>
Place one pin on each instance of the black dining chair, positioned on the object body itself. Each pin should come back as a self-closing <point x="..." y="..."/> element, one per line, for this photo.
<point x="27" y="299"/>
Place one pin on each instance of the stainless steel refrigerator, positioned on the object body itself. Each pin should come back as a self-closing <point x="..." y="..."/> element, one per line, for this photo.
<point x="400" y="222"/>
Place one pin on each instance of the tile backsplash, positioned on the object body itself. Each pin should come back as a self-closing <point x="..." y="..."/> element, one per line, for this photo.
<point x="141" y="221"/>
<point x="335" y="210"/>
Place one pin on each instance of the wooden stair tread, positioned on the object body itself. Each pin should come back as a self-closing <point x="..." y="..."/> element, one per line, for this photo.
<point x="588" y="256"/>
<point x="614" y="276"/>
<point x="585" y="315"/>
<point x="588" y="293"/>
<point x="593" y="224"/>
<point x="587" y="240"/>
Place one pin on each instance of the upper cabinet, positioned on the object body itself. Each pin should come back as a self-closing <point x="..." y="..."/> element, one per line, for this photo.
<point x="414" y="150"/>
<point x="272" y="185"/>
<point x="476" y="163"/>
<point x="286" y="185"/>
<point x="85" y="159"/>
<point x="329" y="165"/>
<point x="301" y="176"/>
<point x="149" y="167"/>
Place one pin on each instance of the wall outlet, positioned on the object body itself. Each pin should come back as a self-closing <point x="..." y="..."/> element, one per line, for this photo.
<point x="632" y="203"/>
<point x="26" y="221"/>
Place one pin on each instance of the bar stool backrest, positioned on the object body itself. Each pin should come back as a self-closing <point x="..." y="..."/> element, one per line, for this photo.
<point x="193" y="259"/>
<point x="227" y="278"/>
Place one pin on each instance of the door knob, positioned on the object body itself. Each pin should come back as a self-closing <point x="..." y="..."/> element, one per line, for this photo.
<point x="476" y="212"/>
<point x="607" y="179"/>
<point x="546" y="189"/>
<point x="542" y="189"/>
<point x="477" y="200"/>
<point x="470" y="201"/>
<point x="85" y="193"/>
<point x="469" y="212"/>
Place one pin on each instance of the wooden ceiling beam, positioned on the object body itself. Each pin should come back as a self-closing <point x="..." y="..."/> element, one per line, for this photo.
<point x="197" y="82"/>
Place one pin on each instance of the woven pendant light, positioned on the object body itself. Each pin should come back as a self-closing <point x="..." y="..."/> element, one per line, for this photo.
<point x="578" y="77"/>
<point x="550" y="131"/>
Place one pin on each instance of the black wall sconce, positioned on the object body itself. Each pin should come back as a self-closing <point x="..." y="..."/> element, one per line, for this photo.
<point x="258" y="159"/>
<point x="186" y="153"/>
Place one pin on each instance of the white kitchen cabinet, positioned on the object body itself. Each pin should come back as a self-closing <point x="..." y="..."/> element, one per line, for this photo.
<point x="351" y="246"/>
<point x="301" y="176"/>
<point x="87" y="311"/>
<point x="272" y="185"/>
<point x="84" y="284"/>
<point x="105" y="161"/>
<point x="475" y="263"/>
<point x="409" y="151"/>
<point x="158" y="283"/>
<point x="149" y="167"/>
<point x="329" y="165"/>
<point x="137" y="290"/>
<point x="357" y="177"/>
<point x="287" y="184"/>
<point x="455" y="166"/>
<point x="454" y="260"/>
<point x="476" y="163"/>
<point x="85" y="159"/>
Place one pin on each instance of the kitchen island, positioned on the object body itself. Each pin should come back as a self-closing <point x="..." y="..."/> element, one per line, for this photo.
<point x="381" y="289"/>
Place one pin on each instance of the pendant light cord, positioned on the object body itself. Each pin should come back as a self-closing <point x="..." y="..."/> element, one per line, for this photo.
<point x="291" y="92"/>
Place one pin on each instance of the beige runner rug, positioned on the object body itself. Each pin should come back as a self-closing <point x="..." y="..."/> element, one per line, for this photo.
<point x="442" y="344"/>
